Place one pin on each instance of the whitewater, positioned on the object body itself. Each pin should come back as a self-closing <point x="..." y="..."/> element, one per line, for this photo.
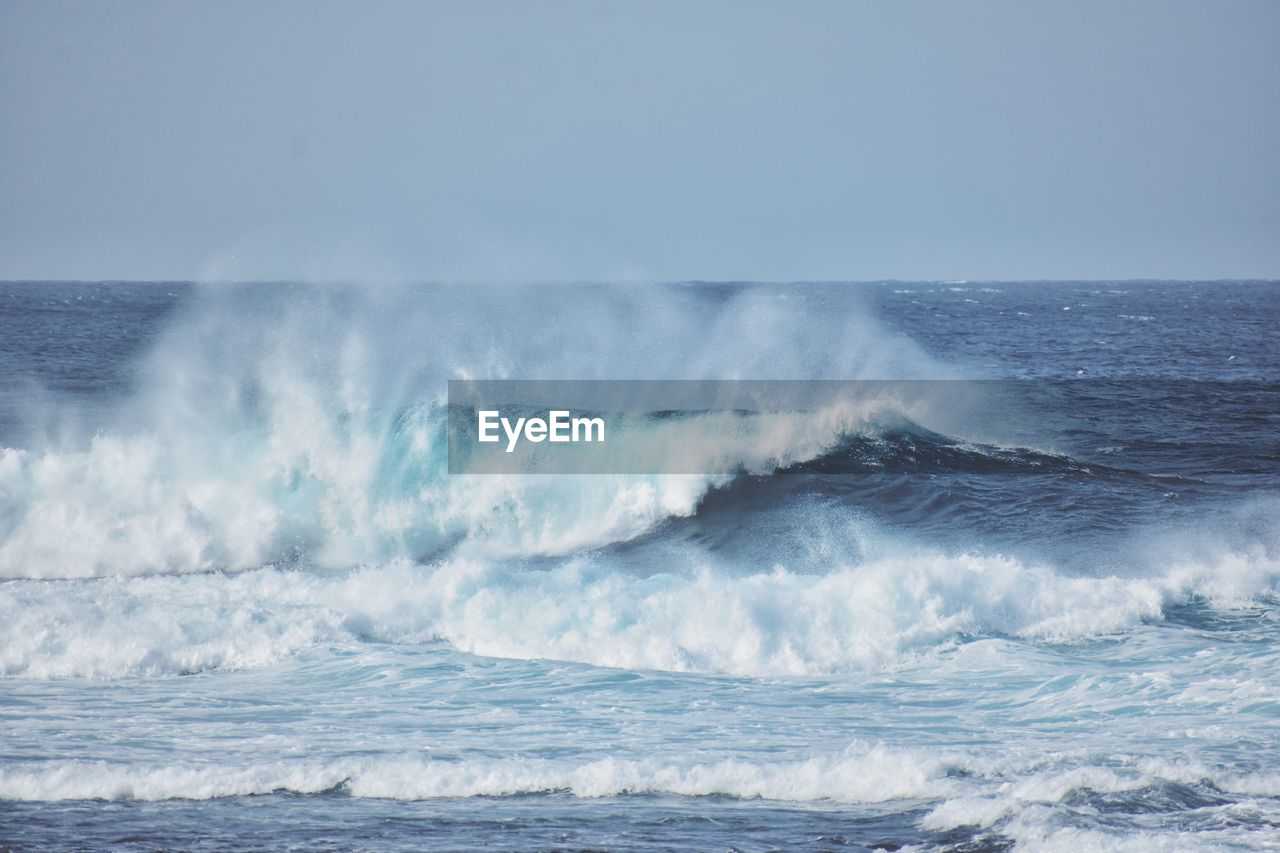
<point x="243" y="601"/>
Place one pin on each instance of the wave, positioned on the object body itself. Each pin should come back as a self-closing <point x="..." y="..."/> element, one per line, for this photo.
<point x="952" y="789"/>
<point x="950" y="794"/>
<point x="335" y="494"/>
<point x="134" y="506"/>
<point x="900" y="446"/>
<point x="286" y="454"/>
<point x="282" y="424"/>
<point x="696" y="616"/>
<point x="870" y="776"/>
<point x="306" y="427"/>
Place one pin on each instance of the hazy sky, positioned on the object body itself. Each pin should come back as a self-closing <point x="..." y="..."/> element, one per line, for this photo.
<point x="667" y="140"/>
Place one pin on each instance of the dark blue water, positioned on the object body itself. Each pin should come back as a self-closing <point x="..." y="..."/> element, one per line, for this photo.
<point x="244" y="604"/>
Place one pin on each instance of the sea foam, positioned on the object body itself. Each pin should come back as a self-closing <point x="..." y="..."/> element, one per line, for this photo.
<point x="587" y="609"/>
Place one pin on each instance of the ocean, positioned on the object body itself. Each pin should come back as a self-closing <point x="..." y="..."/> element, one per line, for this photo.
<point x="245" y="605"/>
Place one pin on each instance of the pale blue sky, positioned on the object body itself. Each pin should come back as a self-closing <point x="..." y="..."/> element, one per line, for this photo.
<point x="667" y="140"/>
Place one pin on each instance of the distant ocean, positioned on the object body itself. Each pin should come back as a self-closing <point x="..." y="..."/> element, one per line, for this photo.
<point x="244" y="605"/>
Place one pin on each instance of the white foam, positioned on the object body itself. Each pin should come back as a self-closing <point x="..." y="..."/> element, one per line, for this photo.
<point x="270" y="426"/>
<point x="586" y="609"/>
<point x="863" y="775"/>
<point x="131" y="507"/>
<point x="1005" y="796"/>
<point x="1023" y="804"/>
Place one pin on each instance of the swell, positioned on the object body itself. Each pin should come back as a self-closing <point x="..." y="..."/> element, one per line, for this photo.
<point x="909" y="448"/>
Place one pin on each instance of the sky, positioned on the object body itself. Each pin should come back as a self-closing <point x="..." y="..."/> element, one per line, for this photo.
<point x="694" y="139"/>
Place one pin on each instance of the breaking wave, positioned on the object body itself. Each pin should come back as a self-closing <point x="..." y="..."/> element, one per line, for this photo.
<point x="758" y="621"/>
<point x="275" y="425"/>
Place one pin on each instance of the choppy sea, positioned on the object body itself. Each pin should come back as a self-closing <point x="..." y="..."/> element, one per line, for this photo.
<point x="244" y="605"/>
